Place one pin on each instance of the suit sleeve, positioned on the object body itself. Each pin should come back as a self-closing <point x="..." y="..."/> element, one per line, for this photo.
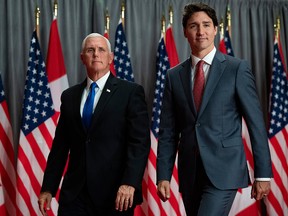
<point x="57" y="157"/>
<point x="167" y="140"/>
<point x="138" y="132"/>
<point x="253" y="115"/>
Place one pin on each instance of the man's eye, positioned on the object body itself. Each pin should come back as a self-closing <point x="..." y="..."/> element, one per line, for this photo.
<point x="90" y="50"/>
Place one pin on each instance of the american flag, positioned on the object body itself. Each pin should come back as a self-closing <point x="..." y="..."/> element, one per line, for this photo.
<point x="36" y="134"/>
<point x="277" y="203"/>
<point x="242" y="204"/>
<point x="152" y="204"/>
<point x="225" y="45"/>
<point x="122" y="63"/>
<point x="7" y="164"/>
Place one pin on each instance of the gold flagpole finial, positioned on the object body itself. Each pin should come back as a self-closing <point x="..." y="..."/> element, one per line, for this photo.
<point x="229" y="20"/>
<point x="55" y="9"/>
<point x="277" y="27"/>
<point x="170" y="15"/>
<point x="123" y="12"/>
<point x="221" y="27"/>
<point x="163" y="25"/>
<point x="107" y="21"/>
<point x="37" y="17"/>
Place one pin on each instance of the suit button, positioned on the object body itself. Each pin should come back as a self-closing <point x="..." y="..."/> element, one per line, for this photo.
<point x="197" y="125"/>
<point x="87" y="141"/>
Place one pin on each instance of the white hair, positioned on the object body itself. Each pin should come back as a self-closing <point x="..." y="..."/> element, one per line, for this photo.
<point x="96" y="35"/>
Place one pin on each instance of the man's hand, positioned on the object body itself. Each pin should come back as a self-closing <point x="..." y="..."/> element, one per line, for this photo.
<point x="125" y="196"/>
<point x="260" y="189"/>
<point x="163" y="190"/>
<point x="44" y="202"/>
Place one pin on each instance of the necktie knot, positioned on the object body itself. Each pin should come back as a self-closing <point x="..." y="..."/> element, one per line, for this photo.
<point x="199" y="83"/>
<point x="93" y="86"/>
<point x="88" y="106"/>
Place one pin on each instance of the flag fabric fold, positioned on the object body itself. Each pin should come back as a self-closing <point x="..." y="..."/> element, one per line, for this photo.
<point x="225" y="45"/>
<point x="122" y="62"/>
<point x="55" y="66"/>
<point x="7" y="162"/>
<point x="277" y="202"/>
<point x="112" y="69"/>
<point x="171" y="47"/>
<point x="36" y="134"/>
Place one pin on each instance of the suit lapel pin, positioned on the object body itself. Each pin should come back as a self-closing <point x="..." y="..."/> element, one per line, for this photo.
<point x="108" y="90"/>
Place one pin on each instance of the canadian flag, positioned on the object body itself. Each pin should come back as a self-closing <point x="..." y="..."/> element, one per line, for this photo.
<point x="112" y="69"/>
<point x="55" y="66"/>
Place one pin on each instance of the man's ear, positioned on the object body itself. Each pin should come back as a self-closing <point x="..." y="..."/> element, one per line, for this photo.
<point x="81" y="57"/>
<point x="184" y="31"/>
<point x="111" y="58"/>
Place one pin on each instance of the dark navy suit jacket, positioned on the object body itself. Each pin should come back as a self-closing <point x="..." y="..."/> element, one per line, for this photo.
<point x="112" y="152"/>
<point x="229" y="95"/>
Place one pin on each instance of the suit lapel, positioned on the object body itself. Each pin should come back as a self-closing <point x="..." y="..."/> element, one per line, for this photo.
<point x="78" y="97"/>
<point x="108" y="90"/>
<point x="185" y="76"/>
<point x="216" y="70"/>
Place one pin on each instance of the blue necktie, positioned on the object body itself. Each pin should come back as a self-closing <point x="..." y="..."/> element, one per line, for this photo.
<point x="88" y="106"/>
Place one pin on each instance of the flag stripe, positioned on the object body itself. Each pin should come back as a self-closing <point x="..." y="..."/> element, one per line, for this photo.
<point x="279" y="152"/>
<point x="174" y="183"/>
<point x="279" y="181"/>
<point x="9" y="190"/>
<point x="153" y="196"/>
<point x="7" y="162"/>
<point x="30" y="170"/>
<point x="27" y="208"/>
<point x="7" y="145"/>
<point x="276" y="205"/>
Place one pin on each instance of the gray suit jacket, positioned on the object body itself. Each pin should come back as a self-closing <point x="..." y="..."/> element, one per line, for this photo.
<point x="229" y="95"/>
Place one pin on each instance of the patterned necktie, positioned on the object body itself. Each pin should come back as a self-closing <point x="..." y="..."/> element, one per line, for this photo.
<point x="88" y="106"/>
<point x="199" y="83"/>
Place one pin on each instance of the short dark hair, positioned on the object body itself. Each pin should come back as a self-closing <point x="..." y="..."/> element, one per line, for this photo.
<point x="192" y="8"/>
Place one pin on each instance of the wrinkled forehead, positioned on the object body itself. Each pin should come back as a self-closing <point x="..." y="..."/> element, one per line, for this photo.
<point x="95" y="38"/>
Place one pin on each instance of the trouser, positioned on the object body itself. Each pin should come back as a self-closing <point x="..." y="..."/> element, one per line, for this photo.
<point x="83" y="206"/>
<point x="205" y="199"/>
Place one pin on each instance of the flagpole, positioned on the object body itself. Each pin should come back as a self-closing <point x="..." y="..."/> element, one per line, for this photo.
<point x="123" y="12"/>
<point x="107" y="21"/>
<point x="277" y="28"/>
<point x="55" y="9"/>
<point x="163" y="26"/>
<point x="229" y="20"/>
<point x="37" y="20"/>
<point x="170" y="15"/>
<point x="221" y="27"/>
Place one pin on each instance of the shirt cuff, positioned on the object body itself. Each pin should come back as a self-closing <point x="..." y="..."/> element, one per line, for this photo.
<point x="263" y="179"/>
